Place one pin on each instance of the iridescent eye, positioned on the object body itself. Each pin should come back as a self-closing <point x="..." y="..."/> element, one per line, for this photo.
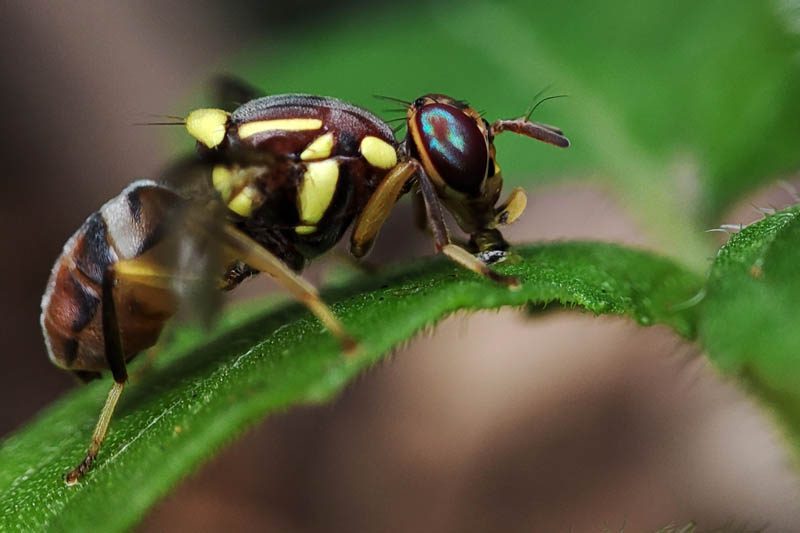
<point x="455" y="145"/>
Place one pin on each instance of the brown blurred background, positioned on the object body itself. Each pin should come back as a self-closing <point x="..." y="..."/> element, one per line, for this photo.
<point x="495" y="423"/>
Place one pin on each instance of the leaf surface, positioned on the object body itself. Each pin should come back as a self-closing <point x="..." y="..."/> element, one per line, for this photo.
<point x="749" y="320"/>
<point x="206" y="389"/>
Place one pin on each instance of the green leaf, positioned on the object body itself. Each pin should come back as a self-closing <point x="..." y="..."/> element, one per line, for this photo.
<point x="749" y="317"/>
<point x="683" y="106"/>
<point x="207" y="389"/>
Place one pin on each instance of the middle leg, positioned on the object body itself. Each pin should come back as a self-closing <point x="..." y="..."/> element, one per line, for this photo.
<point x="253" y="254"/>
<point x="112" y="339"/>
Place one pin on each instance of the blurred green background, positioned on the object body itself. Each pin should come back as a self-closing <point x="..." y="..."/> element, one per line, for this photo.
<point x="681" y="115"/>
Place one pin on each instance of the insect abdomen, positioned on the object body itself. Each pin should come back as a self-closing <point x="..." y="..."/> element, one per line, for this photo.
<point x="123" y="229"/>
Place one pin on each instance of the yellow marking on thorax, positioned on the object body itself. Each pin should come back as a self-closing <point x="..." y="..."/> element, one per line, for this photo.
<point x="305" y="230"/>
<point x="316" y="193"/>
<point x="223" y="180"/>
<point x="378" y="152"/>
<point x="207" y="126"/>
<point x="320" y="148"/>
<point x="244" y="203"/>
<point x="237" y="187"/>
<point x="249" y="129"/>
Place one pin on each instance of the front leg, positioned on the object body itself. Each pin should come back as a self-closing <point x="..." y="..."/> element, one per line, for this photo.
<point x="442" y="242"/>
<point x="379" y="205"/>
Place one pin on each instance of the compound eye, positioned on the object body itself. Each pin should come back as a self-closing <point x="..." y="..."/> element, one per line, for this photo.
<point x="457" y="148"/>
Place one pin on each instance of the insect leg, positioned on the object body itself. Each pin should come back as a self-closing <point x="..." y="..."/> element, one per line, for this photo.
<point x="258" y="257"/>
<point x="442" y="239"/>
<point x="380" y="204"/>
<point x="116" y="361"/>
<point x="512" y="208"/>
<point x="421" y="217"/>
<point x="420" y="214"/>
<point x="535" y="130"/>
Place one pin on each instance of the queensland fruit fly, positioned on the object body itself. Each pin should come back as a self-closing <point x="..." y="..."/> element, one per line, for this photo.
<point x="278" y="181"/>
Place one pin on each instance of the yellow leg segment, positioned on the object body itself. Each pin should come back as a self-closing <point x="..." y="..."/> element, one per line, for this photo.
<point x="99" y="435"/>
<point x="377" y="210"/>
<point x="459" y="255"/>
<point x="261" y="259"/>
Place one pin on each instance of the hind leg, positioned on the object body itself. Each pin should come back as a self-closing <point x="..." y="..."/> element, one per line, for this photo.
<point x="116" y="362"/>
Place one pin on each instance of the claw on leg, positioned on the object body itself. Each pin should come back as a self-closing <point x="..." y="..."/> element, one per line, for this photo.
<point x="470" y="262"/>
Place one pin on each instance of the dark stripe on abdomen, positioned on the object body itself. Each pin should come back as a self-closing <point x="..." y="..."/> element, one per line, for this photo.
<point x="135" y="205"/>
<point x="85" y="304"/>
<point x="68" y="349"/>
<point x="93" y="255"/>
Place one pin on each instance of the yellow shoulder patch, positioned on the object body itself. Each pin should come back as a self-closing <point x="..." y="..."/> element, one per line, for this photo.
<point x="207" y="126"/>
<point x="378" y="152"/>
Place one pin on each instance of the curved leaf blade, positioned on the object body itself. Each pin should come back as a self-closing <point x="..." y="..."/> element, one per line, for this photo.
<point x="206" y="390"/>
<point x="749" y="318"/>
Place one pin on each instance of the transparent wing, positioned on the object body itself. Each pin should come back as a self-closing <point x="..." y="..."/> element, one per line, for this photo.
<point x="172" y="248"/>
